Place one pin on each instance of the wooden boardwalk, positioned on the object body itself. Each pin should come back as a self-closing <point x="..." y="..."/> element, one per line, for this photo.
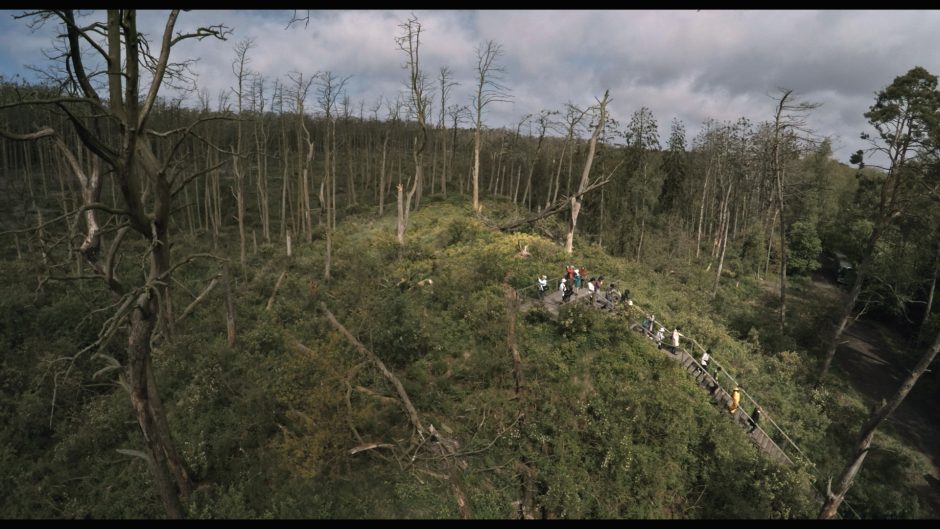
<point x="552" y="302"/>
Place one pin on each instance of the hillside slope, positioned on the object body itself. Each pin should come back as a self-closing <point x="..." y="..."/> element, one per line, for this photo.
<point x="586" y="420"/>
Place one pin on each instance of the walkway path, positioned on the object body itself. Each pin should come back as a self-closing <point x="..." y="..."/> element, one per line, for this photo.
<point x="552" y="302"/>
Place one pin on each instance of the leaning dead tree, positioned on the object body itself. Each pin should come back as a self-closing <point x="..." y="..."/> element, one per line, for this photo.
<point x="835" y="497"/>
<point x="586" y="172"/>
<point x="560" y="205"/>
<point x="115" y="127"/>
<point x="427" y="437"/>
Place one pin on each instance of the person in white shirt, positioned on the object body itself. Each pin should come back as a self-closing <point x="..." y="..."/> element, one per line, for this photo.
<point x="675" y="337"/>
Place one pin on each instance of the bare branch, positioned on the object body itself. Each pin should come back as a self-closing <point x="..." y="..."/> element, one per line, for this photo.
<point x="42" y="133"/>
<point x="189" y="309"/>
<point x="195" y="175"/>
<point x="402" y="394"/>
<point x="295" y="19"/>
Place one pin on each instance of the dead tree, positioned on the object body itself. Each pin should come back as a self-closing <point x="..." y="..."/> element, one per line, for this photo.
<point x="329" y="91"/>
<point x="446" y="84"/>
<point x="147" y="187"/>
<point x="789" y="119"/>
<point x="409" y="42"/>
<point x="445" y="448"/>
<point x="240" y="69"/>
<point x="586" y="172"/>
<point x="489" y="90"/>
<point x="867" y="433"/>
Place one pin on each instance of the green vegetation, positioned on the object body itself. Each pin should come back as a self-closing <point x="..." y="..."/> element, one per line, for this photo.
<point x="611" y="428"/>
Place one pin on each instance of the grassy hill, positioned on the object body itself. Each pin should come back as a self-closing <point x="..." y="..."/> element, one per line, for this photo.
<point x="594" y="423"/>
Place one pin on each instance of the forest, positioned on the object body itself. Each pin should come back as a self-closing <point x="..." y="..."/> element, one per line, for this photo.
<point x="278" y="302"/>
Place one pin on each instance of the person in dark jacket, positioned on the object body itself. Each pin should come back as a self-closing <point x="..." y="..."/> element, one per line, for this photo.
<point x="755" y="418"/>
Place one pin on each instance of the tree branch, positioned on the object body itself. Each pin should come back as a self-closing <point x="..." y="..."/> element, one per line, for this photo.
<point x="189" y="308"/>
<point x="402" y="394"/>
<point x="559" y="205"/>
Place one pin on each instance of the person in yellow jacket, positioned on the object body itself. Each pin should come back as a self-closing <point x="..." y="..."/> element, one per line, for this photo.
<point x="735" y="400"/>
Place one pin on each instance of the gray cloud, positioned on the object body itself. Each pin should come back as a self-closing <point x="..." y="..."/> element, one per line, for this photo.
<point x="687" y="64"/>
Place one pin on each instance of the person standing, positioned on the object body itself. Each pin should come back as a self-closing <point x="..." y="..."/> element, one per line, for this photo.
<point x="625" y="298"/>
<point x="611" y="296"/>
<point x="660" y="334"/>
<point x="675" y="337"/>
<point x="735" y="400"/>
<point x="569" y="290"/>
<point x="755" y="418"/>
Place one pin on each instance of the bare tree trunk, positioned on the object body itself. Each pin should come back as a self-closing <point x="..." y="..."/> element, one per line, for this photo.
<point x="849" y="304"/>
<point x="240" y="203"/>
<point x="770" y="241"/>
<point x="933" y="286"/>
<point x="285" y="183"/>
<point x="639" y="245"/>
<point x="277" y="285"/>
<point x="585" y="174"/>
<point x="229" y="306"/>
<point x="305" y="190"/>
<point x="724" y="246"/>
<point x="382" y="174"/>
<point x="146" y="208"/>
<point x="475" y="203"/>
<point x="189" y="211"/>
<point x="880" y="415"/>
<point x="433" y="178"/>
<point x="350" y="173"/>
<point x="285" y="176"/>
<point x="783" y="270"/>
<point x="404" y="205"/>
<point x="143" y="321"/>
<point x="401" y="215"/>
<point x="443" y="157"/>
<point x="701" y="211"/>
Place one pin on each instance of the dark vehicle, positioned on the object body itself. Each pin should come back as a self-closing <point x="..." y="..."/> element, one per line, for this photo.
<point x="845" y="272"/>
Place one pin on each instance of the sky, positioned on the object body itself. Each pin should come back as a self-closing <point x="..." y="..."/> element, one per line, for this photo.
<point x="685" y="64"/>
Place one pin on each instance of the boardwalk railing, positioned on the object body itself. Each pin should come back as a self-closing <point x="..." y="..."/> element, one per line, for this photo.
<point x="758" y="434"/>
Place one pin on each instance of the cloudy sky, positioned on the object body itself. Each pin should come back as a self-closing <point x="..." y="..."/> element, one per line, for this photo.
<point x="683" y="64"/>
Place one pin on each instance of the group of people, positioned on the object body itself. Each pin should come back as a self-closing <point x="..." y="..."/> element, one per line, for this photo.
<point x="650" y="325"/>
<point x="574" y="278"/>
<point x="735" y="403"/>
